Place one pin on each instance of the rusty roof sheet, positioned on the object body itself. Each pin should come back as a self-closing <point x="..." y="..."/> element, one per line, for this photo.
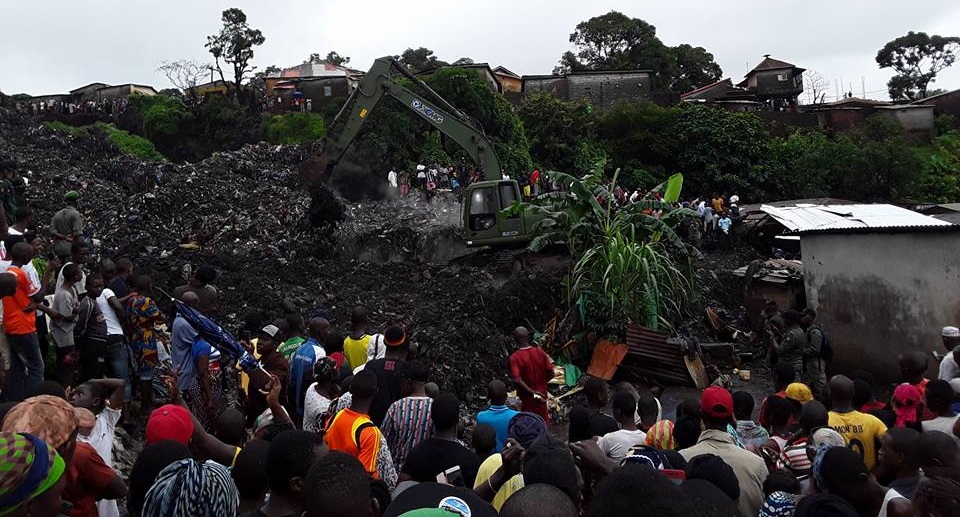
<point x="808" y="218"/>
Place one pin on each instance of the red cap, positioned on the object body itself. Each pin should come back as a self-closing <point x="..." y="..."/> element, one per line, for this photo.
<point x="170" y="422"/>
<point x="716" y="402"/>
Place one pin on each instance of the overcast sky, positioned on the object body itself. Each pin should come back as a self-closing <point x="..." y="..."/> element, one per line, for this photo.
<point x="66" y="44"/>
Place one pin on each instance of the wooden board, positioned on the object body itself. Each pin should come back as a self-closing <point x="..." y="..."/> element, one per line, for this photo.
<point x="697" y="371"/>
<point x="606" y="358"/>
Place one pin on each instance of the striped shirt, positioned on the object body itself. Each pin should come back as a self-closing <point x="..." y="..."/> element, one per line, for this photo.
<point x="406" y="424"/>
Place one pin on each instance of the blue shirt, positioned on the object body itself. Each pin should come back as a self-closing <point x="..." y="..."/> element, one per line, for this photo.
<point x="182" y="338"/>
<point x="497" y="417"/>
<point x="301" y="371"/>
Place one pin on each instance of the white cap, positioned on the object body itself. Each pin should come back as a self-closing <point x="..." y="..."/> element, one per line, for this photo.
<point x="951" y="332"/>
<point x="270" y="330"/>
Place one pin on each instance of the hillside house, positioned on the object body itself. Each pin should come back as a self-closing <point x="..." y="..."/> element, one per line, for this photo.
<point x="775" y="83"/>
<point x="319" y="83"/>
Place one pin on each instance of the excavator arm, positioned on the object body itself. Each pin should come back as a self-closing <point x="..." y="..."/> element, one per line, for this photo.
<point x="382" y="81"/>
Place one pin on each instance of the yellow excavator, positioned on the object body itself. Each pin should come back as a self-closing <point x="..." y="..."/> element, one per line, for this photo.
<point x="484" y="221"/>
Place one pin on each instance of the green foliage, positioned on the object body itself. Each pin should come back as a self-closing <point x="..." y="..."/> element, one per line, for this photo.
<point x="56" y="125"/>
<point x="615" y="41"/>
<point x="125" y="142"/>
<point x="161" y="116"/>
<point x="631" y="265"/>
<point x="916" y="58"/>
<point x="562" y="134"/>
<point x="718" y="150"/>
<point x="293" y="128"/>
<point x="939" y="178"/>
<point x="420" y="59"/>
<point x="132" y="145"/>
<point x="234" y="44"/>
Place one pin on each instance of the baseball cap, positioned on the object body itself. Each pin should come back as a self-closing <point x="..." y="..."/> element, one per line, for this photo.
<point x="270" y="330"/>
<point x="52" y="419"/>
<point x="170" y="422"/>
<point x="73" y="194"/>
<point x="436" y="500"/>
<point x="827" y="436"/>
<point x="800" y="392"/>
<point x="951" y="332"/>
<point x="716" y="402"/>
<point x="394" y="336"/>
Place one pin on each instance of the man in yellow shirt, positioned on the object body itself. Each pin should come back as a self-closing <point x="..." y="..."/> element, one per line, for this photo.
<point x="861" y="431"/>
<point x="356" y="343"/>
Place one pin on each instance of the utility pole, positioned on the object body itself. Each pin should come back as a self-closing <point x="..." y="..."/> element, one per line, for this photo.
<point x="863" y="86"/>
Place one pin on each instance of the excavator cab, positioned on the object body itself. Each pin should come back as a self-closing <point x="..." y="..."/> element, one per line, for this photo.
<point x="485" y="223"/>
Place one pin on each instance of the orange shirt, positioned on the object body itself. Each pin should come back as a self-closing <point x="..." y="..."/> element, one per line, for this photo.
<point x="15" y="321"/>
<point x="354" y="434"/>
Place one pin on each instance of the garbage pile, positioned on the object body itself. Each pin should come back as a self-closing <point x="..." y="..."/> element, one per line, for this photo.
<point x="245" y="213"/>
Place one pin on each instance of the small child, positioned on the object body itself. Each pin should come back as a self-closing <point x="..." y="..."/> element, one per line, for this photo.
<point x="104" y="398"/>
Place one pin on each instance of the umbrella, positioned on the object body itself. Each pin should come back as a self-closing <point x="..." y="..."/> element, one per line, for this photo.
<point x="214" y="334"/>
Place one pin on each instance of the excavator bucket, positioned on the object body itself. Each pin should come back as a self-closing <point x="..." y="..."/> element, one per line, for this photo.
<point x="315" y="170"/>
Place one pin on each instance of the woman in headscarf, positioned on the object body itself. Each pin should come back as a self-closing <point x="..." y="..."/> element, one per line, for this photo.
<point x="31" y="477"/>
<point x="189" y="488"/>
<point x="907" y="406"/>
<point x="151" y="461"/>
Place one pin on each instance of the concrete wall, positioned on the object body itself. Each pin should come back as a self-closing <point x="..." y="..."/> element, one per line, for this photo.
<point x="604" y="90"/>
<point x="880" y="294"/>
<point x="915" y="119"/>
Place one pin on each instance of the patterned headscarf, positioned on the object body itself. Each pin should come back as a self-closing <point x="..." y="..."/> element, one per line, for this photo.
<point x="660" y="435"/>
<point x="779" y="504"/>
<point x="817" y="467"/>
<point x="28" y="467"/>
<point x="906" y="400"/>
<point x="189" y="488"/>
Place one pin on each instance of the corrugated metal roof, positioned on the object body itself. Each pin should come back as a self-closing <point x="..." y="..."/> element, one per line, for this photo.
<point x="805" y="218"/>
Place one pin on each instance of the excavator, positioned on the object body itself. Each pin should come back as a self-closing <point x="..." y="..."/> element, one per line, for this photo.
<point x="485" y="221"/>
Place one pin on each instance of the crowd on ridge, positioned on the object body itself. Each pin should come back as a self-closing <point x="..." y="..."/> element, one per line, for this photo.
<point x="338" y="419"/>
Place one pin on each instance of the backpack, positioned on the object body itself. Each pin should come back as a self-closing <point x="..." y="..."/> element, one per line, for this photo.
<point x="826" y="348"/>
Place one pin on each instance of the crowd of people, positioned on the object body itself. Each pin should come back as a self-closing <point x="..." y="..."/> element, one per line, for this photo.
<point x="102" y="106"/>
<point x="337" y="419"/>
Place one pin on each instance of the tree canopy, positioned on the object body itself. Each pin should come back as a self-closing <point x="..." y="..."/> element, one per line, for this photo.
<point x="616" y="41"/>
<point x="234" y="45"/>
<point x="420" y="59"/>
<point x="916" y="58"/>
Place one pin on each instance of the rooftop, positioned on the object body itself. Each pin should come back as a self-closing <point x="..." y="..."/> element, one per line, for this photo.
<point x="808" y="218"/>
<point x="769" y="63"/>
<point x="707" y="87"/>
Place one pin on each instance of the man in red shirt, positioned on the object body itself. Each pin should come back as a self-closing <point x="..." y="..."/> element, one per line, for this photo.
<point x="20" y="299"/>
<point x="54" y="420"/>
<point x="531" y="369"/>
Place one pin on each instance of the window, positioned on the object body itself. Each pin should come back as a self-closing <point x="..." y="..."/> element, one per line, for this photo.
<point x="508" y="195"/>
<point x="783" y="78"/>
<point x="483" y="209"/>
<point x="327" y="91"/>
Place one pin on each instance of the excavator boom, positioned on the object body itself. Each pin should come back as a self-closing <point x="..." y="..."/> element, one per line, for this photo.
<point x="484" y="219"/>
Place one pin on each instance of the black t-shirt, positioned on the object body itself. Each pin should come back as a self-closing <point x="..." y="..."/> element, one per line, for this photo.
<point x="435" y="455"/>
<point x="601" y="424"/>
<point x="119" y="287"/>
<point x="388" y="384"/>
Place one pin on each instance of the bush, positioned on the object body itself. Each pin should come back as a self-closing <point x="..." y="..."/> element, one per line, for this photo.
<point x="293" y="128"/>
<point x="125" y="142"/>
<point x="131" y="144"/>
<point x="56" y="125"/>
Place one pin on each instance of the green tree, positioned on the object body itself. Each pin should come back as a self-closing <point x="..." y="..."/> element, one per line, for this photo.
<point x="336" y="59"/>
<point x="234" y="45"/>
<point x="616" y="41"/>
<point x="885" y="165"/>
<point x="562" y="134"/>
<point x="420" y="59"/>
<point x="692" y="67"/>
<point x="916" y="58"/>
<point x="939" y="179"/>
<point x="638" y="139"/>
<point x="719" y="150"/>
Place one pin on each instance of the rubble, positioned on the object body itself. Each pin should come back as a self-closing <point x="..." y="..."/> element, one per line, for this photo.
<point x="245" y="213"/>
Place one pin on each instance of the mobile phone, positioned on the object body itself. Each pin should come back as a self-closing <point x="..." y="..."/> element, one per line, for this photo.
<point x="452" y="476"/>
<point x="677" y="476"/>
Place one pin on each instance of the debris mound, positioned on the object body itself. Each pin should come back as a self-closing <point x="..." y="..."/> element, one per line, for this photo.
<point x="247" y="213"/>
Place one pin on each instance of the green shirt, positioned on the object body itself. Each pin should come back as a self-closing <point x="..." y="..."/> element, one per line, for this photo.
<point x="290" y="346"/>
